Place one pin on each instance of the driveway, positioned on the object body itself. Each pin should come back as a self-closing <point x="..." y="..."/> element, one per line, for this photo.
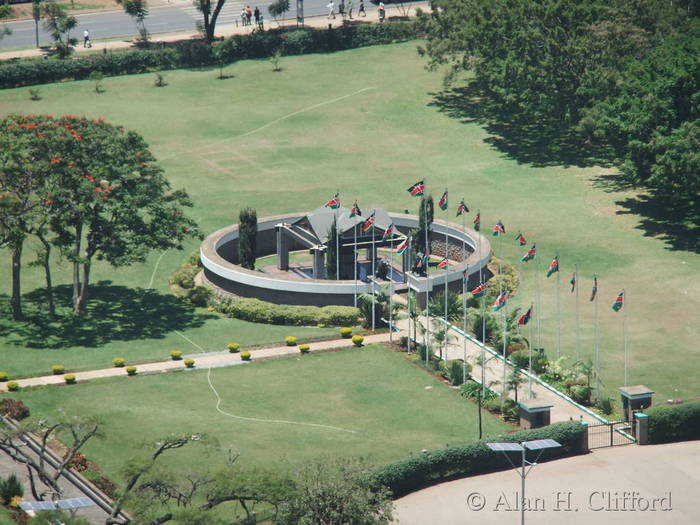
<point x="635" y="485"/>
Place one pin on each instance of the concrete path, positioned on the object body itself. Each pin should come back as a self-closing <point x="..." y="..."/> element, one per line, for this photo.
<point x="616" y="485"/>
<point x="202" y="360"/>
<point x="562" y="410"/>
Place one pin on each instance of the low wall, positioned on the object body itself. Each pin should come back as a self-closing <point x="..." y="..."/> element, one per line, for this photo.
<point x="218" y="255"/>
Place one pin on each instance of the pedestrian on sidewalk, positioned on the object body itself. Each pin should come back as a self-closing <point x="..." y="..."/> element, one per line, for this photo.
<point x="350" y="9"/>
<point x="256" y="14"/>
<point x="362" y="9"/>
<point x="341" y="9"/>
<point x="330" y="7"/>
<point x="243" y="16"/>
<point x="86" y="38"/>
<point x="260" y="23"/>
<point x="382" y="12"/>
<point x="248" y="14"/>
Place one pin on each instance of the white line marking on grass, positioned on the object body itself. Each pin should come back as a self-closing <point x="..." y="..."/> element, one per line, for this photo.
<point x="153" y="275"/>
<point x="255" y="419"/>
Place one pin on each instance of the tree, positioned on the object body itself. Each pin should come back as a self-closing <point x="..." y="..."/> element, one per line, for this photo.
<point x="210" y="17"/>
<point x="278" y="8"/>
<point x="75" y="431"/>
<point x="380" y="298"/>
<point x="247" y="237"/>
<point x="332" y="251"/>
<point x="336" y="491"/>
<point x="138" y="10"/>
<point x="5" y="12"/>
<point x="426" y="210"/>
<point x="436" y="307"/>
<point x="59" y="24"/>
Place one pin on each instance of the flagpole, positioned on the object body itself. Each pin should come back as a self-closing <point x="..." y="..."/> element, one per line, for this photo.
<point x="373" y="251"/>
<point x="465" y="283"/>
<point x="505" y="311"/>
<point x="529" y="359"/>
<point x="596" y="338"/>
<point x="447" y="271"/>
<point x="558" y="311"/>
<point x="624" y="329"/>
<point x="539" y="301"/>
<point x="578" y="325"/>
<point x="483" y="314"/>
<point x="391" y="287"/>
<point x="337" y="243"/>
<point x="354" y="258"/>
<point x="427" y="281"/>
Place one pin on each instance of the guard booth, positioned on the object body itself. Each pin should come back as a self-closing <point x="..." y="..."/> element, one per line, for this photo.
<point x="534" y="414"/>
<point x="634" y="399"/>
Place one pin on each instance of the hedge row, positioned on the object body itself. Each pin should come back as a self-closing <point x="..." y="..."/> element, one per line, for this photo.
<point x="424" y="469"/>
<point x="668" y="423"/>
<point x="257" y="311"/>
<point x="259" y="44"/>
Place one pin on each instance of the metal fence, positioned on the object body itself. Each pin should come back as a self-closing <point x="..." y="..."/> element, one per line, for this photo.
<point x="611" y="434"/>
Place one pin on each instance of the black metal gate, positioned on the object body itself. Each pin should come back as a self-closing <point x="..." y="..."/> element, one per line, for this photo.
<point x="611" y="434"/>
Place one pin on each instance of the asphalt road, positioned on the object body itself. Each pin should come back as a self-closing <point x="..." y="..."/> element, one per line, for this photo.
<point x="180" y="16"/>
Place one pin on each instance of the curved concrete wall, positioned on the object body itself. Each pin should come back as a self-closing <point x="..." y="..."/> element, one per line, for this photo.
<point x="222" y="272"/>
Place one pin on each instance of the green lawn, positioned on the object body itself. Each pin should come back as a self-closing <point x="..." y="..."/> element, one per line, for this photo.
<point x="374" y="392"/>
<point x="369" y="123"/>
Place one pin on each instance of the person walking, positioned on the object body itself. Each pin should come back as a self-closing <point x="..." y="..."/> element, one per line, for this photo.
<point x="350" y="9"/>
<point x="243" y="16"/>
<point x="362" y="9"/>
<point x="248" y="14"/>
<point x="330" y="7"/>
<point x="256" y="15"/>
<point x="86" y="38"/>
<point x="382" y="12"/>
<point x="341" y="9"/>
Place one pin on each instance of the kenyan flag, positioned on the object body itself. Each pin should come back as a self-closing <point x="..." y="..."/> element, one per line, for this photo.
<point x="462" y="208"/>
<point x="465" y="274"/>
<point x="499" y="229"/>
<point x="619" y="302"/>
<point x="594" y="290"/>
<point x="553" y="266"/>
<point x="500" y="302"/>
<point x="355" y="211"/>
<point x="442" y="264"/>
<point x="521" y="239"/>
<point x="530" y="255"/>
<point x="480" y="290"/>
<point x="402" y="247"/>
<point x="572" y="282"/>
<point x="525" y="318"/>
<point x="388" y="233"/>
<point x="334" y="203"/>
<point x="368" y="224"/>
<point x="443" y="201"/>
<point x="477" y="222"/>
<point x="417" y="189"/>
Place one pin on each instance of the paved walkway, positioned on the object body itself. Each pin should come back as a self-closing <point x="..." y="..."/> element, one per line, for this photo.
<point x="578" y="490"/>
<point x="202" y="360"/>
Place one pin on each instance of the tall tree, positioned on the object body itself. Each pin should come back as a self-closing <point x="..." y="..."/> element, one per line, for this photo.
<point x="332" y="251"/>
<point x="425" y="213"/>
<point x="138" y="10"/>
<point x="210" y="16"/>
<point x="59" y="24"/>
<point x="247" y="237"/>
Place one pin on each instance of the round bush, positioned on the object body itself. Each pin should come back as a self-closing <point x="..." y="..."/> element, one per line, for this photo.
<point x="189" y="363"/>
<point x="131" y="370"/>
<point x="245" y="355"/>
<point x="233" y="347"/>
<point x="176" y="355"/>
<point x="69" y="379"/>
<point x="3" y="377"/>
<point x="304" y="349"/>
<point x="13" y="386"/>
<point x="357" y="340"/>
<point x="290" y="340"/>
<point x="119" y="361"/>
<point x="346" y="332"/>
<point x="58" y="369"/>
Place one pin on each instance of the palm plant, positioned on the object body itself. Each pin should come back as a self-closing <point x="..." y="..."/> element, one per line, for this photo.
<point x="382" y="313"/>
<point x="436" y="306"/>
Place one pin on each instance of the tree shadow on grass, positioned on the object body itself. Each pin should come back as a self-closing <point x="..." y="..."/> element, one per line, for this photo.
<point x="544" y="142"/>
<point x="115" y="313"/>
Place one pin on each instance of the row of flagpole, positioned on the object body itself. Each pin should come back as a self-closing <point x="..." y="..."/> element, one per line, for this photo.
<point x="418" y="189"/>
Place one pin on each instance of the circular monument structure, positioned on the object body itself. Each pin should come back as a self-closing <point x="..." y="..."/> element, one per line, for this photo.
<point x="291" y="252"/>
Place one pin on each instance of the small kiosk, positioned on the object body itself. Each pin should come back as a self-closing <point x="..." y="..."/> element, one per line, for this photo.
<point x="634" y="398"/>
<point x="534" y="414"/>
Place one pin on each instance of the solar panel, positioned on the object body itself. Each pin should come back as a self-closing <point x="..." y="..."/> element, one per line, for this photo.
<point x="540" y="444"/>
<point x="505" y="447"/>
<point x="75" y="503"/>
<point x="37" y="505"/>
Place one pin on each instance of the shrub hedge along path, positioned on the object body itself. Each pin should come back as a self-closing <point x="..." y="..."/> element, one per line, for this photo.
<point x="201" y="360"/>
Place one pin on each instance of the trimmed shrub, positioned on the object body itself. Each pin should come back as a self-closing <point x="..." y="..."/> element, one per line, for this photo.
<point x="14" y="408"/>
<point x="290" y="340"/>
<point x="233" y="347"/>
<point x="455" y="372"/>
<point x="3" y="377"/>
<point x="357" y="340"/>
<point x="346" y="332"/>
<point x="57" y="370"/>
<point x="245" y="355"/>
<point x="69" y="379"/>
<point x="257" y="311"/>
<point x="247" y="237"/>
<point x="669" y="423"/>
<point x="13" y="386"/>
<point x="176" y="355"/>
<point x="10" y="489"/>
<point x="419" y="471"/>
<point x="184" y="276"/>
<point x="198" y="296"/>
<point x="189" y="363"/>
<point x="581" y="394"/>
<point x="131" y="370"/>
<point x="304" y="349"/>
<point x="119" y="362"/>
